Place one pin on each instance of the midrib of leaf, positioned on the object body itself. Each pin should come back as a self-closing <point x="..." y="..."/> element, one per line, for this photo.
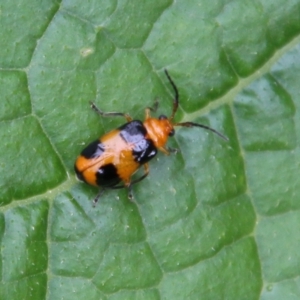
<point x="229" y="97"/>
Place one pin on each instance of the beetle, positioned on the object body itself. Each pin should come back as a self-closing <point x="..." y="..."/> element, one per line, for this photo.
<point x="118" y="154"/>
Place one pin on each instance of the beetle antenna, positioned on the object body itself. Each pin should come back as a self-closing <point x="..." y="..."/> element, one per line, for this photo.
<point x="188" y="124"/>
<point x="192" y="124"/>
<point x="176" y="99"/>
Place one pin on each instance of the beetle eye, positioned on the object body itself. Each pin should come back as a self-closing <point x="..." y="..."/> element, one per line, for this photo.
<point x="172" y="132"/>
<point x="162" y="117"/>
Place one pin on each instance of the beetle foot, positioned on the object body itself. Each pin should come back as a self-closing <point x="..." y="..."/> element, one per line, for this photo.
<point x="96" y="199"/>
<point x="130" y="194"/>
<point x="173" y="150"/>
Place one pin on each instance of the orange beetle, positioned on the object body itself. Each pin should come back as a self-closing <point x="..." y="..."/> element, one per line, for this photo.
<point x="118" y="154"/>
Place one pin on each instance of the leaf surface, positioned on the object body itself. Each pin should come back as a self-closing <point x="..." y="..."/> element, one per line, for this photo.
<point x="218" y="220"/>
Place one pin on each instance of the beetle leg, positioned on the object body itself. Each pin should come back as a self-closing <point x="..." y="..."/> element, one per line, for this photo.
<point x="96" y="199"/>
<point x="154" y="107"/>
<point x="147" y="113"/>
<point x="146" y="170"/>
<point x="167" y="150"/>
<point x="173" y="150"/>
<point x="130" y="195"/>
<point x="109" y="114"/>
<point x="129" y="184"/>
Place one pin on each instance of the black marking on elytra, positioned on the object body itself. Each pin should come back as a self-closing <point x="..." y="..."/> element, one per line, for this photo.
<point x="144" y="151"/>
<point x="107" y="176"/>
<point x="132" y="132"/>
<point x="79" y="174"/>
<point x="93" y="150"/>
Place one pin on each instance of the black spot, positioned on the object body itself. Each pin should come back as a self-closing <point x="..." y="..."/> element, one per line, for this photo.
<point x="107" y="176"/>
<point x="144" y="151"/>
<point x="133" y="132"/>
<point x="93" y="150"/>
<point x="79" y="174"/>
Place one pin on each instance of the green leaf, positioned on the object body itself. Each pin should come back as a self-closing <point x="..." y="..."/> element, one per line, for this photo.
<point x="218" y="220"/>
